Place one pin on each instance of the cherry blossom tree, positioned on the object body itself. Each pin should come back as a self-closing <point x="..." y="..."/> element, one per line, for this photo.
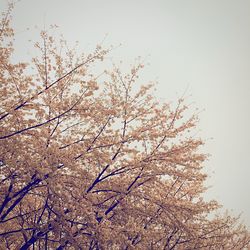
<point x="90" y="161"/>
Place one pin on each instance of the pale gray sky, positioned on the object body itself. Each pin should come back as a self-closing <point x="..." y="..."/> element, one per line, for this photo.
<point x="203" y="44"/>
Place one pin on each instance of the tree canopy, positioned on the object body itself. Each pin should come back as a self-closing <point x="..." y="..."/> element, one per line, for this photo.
<point x="91" y="161"/>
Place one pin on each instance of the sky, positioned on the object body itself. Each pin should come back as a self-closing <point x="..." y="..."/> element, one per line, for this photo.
<point x="200" y="47"/>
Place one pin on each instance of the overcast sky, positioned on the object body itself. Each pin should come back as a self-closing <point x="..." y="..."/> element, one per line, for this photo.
<point x="200" y="44"/>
